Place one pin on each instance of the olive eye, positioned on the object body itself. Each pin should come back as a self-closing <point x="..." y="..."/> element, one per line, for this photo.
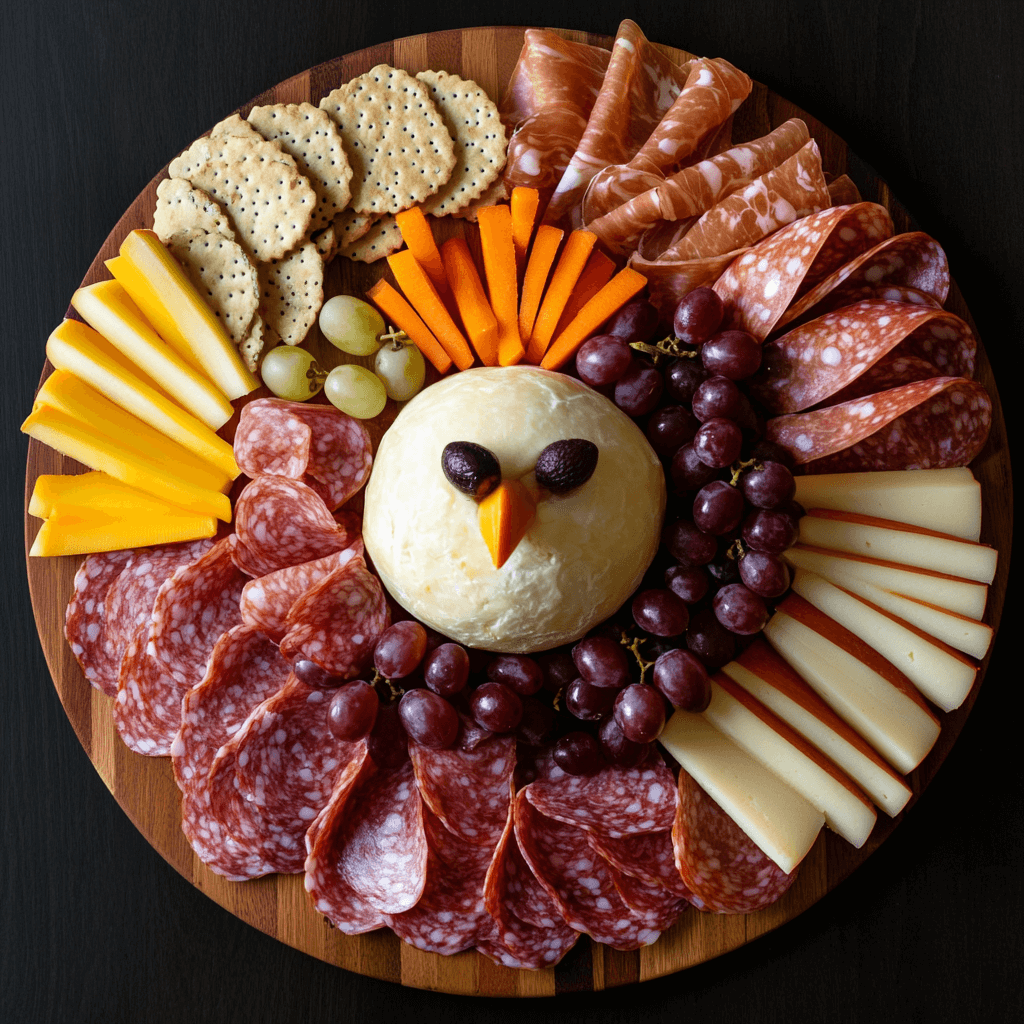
<point x="470" y="468"/>
<point x="566" y="465"/>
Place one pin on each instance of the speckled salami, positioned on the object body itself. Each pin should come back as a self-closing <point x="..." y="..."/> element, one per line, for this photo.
<point x="281" y="522"/>
<point x="147" y="707"/>
<point x="331" y="894"/>
<point x="861" y="349"/>
<point x="578" y="879"/>
<point x="759" y="286"/>
<point x="654" y="904"/>
<point x="930" y="424"/>
<point x="724" y="870"/>
<point x="669" y="280"/>
<point x="648" y="857"/>
<point x="615" y="801"/>
<point x="85" y="622"/>
<point x="266" y="601"/>
<point x="468" y="789"/>
<point x="244" y="669"/>
<point x="888" y="292"/>
<point x="318" y="444"/>
<point x="338" y="620"/>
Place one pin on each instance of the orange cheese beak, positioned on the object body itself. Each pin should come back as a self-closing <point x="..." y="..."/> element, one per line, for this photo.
<point x="505" y="516"/>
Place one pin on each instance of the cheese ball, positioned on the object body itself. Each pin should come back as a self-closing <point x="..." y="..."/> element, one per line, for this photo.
<point x="582" y="556"/>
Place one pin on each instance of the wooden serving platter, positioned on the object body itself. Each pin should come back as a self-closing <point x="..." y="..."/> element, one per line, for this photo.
<point x="278" y="905"/>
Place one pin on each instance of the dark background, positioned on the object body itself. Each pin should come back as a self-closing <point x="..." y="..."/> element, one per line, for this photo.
<point x="97" y="96"/>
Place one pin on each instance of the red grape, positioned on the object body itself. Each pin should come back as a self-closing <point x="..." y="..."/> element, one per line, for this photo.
<point x="768" y="486"/>
<point x="740" y="610"/>
<point x="769" y="451"/>
<point x="688" y="472"/>
<point x="537" y="724"/>
<point x="710" y="640"/>
<point x="496" y="707"/>
<point x="682" y="678"/>
<point x="770" y="531"/>
<point x="687" y="544"/>
<point x="669" y="428"/>
<point x="733" y="354"/>
<point x="352" y="711"/>
<point x="446" y="669"/>
<point x="718" y="508"/>
<point x="638" y="390"/>
<point x="558" y="667"/>
<point x="718" y="397"/>
<point x="313" y="675"/>
<point x="400" y="649"/>
<point x="697" y="316"/>
<point x="602" y="360"/>
<point x="764" y="574"/>
<point x="682" y="379"/>
<point x="578" y="753"/>
<point x="640" y="712"/>
<point x="691" y="584"/>
<point x="636" y="321"/>
<point x="518" y="672"/>
<point x="602" y="661"/>
<point x="588" y="701"/>
<point x="718" y="442"/>
<point x="616" y="748"/>
<point x="428" y="719"/>
<point x="388" y="744"/>
<point x="660" y="612"/>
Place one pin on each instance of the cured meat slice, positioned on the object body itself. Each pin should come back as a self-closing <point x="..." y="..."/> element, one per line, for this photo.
<point x="281" y="522"/>
<point x="85" y="622"/>
<point x="468" y="789"/>
<point x="649" y="857"/>
<point x="637" y="91"/>
<point x="332" y="895"/>
<point x="266" y="601"/>
<point x="722" y="867"/>
<point x="886" y="292"/>
<point x="317" y="444"/>
<point x="659" y="908"/>
<point x="614" y="802"/>
<point x="860" y="349"/>
<point x="338" y="620"/>
<point x="669" y="281"/>
<point x="147" y="706"/>
<point x="620" y="210"/>
<point x="450" y="916"/>
<point x="759" y="285"/>
<point x="930" y="424"/>
<point x="578" y="879"/>
<point x="244" y="669"/>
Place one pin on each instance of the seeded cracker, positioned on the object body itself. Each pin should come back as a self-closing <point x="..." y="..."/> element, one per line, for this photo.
<point x="479" y="136"/>
<point x="312" y="138"/>
<point x="399" y="148"/>
<point x="259" y="338"/>
<point x="496" y="193"/>
<point x="383" y="238"/>
<point x="292" y="292"/>
<point x="180" y="209"/>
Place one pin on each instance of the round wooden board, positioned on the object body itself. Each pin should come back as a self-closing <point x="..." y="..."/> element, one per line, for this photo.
<point x="278" y="905"/>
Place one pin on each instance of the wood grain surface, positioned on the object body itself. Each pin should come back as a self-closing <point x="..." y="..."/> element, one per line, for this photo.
<point x="278" y="905"/>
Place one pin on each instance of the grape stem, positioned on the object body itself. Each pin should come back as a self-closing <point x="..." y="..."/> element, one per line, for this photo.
<point x="397" y="338"/>
<point x="395" y="692"/>
<point x="669" y="346"/>
<point x="633" y="644"/>
<point x="739" y="468"/>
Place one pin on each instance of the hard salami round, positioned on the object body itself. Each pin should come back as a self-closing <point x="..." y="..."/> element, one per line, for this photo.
<point x="648" y="856"/>
<point x="147" y="706"/>
<point x="659" y="908"/>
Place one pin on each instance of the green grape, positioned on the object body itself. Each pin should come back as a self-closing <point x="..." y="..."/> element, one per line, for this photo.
<point x="292" y="373"/>
<point x="352" y="325"/>
<point x="401" y="367"/>
<point x="355" y="390"/>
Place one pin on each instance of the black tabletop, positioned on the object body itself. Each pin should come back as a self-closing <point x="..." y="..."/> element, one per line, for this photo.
<point x="96" y="98"/>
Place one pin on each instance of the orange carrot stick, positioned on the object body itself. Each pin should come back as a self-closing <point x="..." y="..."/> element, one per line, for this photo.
<point x="542" y="257"/>
<point x="423" y="297"/>
<point x="596" y="274"/>
<point x="471" y="300"/>
<point x="611" y="298"/>
<point x="419" y="238"/>
<point x="524" y="205"/>
<point x="495" y="223"/>
<point x="574" y="258"/>
<point x="404" y="317"/>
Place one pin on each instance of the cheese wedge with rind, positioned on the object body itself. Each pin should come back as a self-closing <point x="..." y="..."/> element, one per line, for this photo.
<point x="780" y="822"/>
<point x="107" y="307"/>
<point x="84" y="531"/>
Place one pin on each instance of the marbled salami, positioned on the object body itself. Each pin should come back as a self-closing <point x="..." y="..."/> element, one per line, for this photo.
<point x="654" y="904"/>
<point x="648" y="857"/>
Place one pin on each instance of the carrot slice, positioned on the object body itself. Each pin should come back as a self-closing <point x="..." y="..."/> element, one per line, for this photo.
<point x="499" y="254"/>
<point x="505" y="516"/>
<point x="574" y="258"/>
<point x="405" y="318"/>
<point x="611" y="298"/>
<point x="542" y="258"/>
<point x="417" y="235"/>
<point x="471" y="300"/>
<point x="524" y="205"/>
<point x="423" y="297"/>
<point x="596" y="274"/>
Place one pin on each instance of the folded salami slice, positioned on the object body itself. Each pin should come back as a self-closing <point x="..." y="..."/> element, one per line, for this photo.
<point x="281" y="522"/>
<point x="619" y="209"/>
<point x="317" y="444"/>
<point x="332" y="895"/>
<point x="759" y="286"/>
<point x="930" y="424"/>
<point x="614" y="802"/>
<point x="338" y="620"/>
<point x="722" y="867"/>
<point x="860" y="349"/>
<point x="658" y="908"/>
<point x="649" y="857"/>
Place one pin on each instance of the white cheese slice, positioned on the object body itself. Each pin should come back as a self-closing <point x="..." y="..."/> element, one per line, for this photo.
<point x="946" y="500"/>
<point x="895" y="542"/>
<point x="780" y="822"/>
<point x="899" y="727"/>
<point x="940" y="673"/>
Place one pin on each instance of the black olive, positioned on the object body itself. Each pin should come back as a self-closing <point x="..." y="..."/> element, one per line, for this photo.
<point x="565" y="465"/>
<point x="470" y="468"/>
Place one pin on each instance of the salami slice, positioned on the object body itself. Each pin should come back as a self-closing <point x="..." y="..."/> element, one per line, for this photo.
<point x="861" y="349"/>
<point x="614" y="802"/>
<point x="668" y="281"/>
<point x="759" y="286"/>
<point x="281" y="522"/>
<point x="468" y="790"/>
<point x="318" y="444"/>
<point x="266" y="601"/>
<point x="338" y="620"/>
<point x="649" y="857"/>
<point x="722" y="867"/>
<point x="332" y="895"/>
<point x="659" y="908"/>
<point x="147" y="707"/>
<point x="931" y="424"/>
<point x="85" y="622"/>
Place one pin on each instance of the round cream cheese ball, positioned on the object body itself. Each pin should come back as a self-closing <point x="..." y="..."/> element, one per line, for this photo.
<point x="583" y="554"/>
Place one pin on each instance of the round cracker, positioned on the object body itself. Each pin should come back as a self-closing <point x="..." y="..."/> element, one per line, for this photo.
<point x="383" y="238"/>
<point x="181" y="209"/>
<point x="292" y="292"/>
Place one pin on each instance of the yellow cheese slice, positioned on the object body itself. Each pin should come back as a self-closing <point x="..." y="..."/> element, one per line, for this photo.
<point x="94" y="490"/>
<point x="81" y="441"/>
<point x="81" y="351"/>
<point x="177" y="311"/>
<point x="84" y="531"/>
<point x="107" y="308"/>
